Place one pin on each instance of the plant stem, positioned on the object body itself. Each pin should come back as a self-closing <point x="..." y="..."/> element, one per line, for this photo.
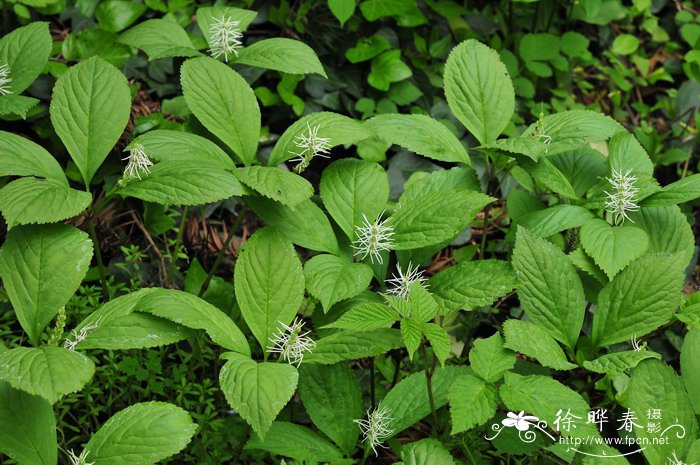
<point x="222" y="252"/>
<point x="429" y="382"/>
<point x="98" y="256"/>
<point x="371" y="383"/>
<point x="178" y="242"/>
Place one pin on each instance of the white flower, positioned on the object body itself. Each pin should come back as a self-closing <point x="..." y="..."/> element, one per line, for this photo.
<point x="623" y="196"/>
<point x="138" y="162"/>
<point x="5" y="80"/>
<point x="637" y="345"/>
<point x="291" y="343"/>
<point x="375" y="429"/>
<point x="521" y="421"/>
<point x="400" y="284"/>
<point x="310" y="145"/>
<point x="674" y="460"/>
<point x="80" y="336"/>
<point x="225" y="38"/>
<point x="372" y="238"/>
<point x="79" y="459"/>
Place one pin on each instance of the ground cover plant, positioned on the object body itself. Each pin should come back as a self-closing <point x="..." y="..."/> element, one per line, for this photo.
<point x="341" y="232"/>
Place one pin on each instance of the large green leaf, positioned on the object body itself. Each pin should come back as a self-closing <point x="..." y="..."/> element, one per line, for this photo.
<point x="90" y="107"/>
<point x="550" y="291"/>
<point x="286" y="55"/>
<point x="490" y="359"/>
<point x="166" y="145"/>
<point x="49" y="372"/>
<point x="350" y="345"/>
<point x="27" y="427"/>
<point x="613" y="248"/>
<point x="41" y="267"/>
<point x="218" y="96"/>
<point x="298" y="442"/>
<point x="625" y="153"/>
<point x="479" y="90"/>
<point x="331" y="279"/>
<point x="366" y="316"/>
<point x="141" y="434"/>
<point x="338" y="129"/>
<point x="641" y="298"/>
<point x="422" y="182"/>
<point x="472" y="402"/>
<point x="17" y="105"/>
<point x="681" y="191"/>
<point x="420" y="134"/>
<point x="159" y="38"/>
<point x="183" y="183"/>
<point x="616" y="363"/>
<point x="656" y="386"/>
<point x="690" y="367"/>
<point x="34" y="200"/>
<point x="351" y="188"/>
<point x="257" y="391"/>
<point x="269" y="283"/>
<point x="25" y="52"/>
<point x="432" y="219"/>
<point x="544" y="223"/>
<point x="282" y="186"/>
<point x="22" y="157"/>
<point x="332" y="397"/>
<point x="426" y="452"/>
<point x="473" y="284"/>
<point x="668" y="231"/>
<point x="531" y="340"/>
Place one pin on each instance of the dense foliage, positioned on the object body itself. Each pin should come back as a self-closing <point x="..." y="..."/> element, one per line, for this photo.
<point x="420" y="232"/>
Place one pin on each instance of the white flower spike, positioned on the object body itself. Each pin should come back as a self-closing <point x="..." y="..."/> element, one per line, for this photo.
<point x="637" y="345"/>
<point x="400" y="284"/>
<point x="291" y="343"/>
<point x="80" y="336"/>
<point x="5" y="80"/>
<point x="310" y="146"/>
<point x="225" y="38"/>
<point x="623" y="197"/>
<point x="138" y="162"/>
<point x="373" y="238"/>
<point x="79" y="459"/>
<point x="375" y="429"/>
<point x="674" y="460"/>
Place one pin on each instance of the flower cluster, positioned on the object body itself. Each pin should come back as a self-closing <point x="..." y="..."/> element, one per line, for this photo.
<point x="79" y="459"/>
<point x="375" y="429"/>
<point x="138" y="162"/>
<point x="225" y="38"/>
<point x="310" y="145"/>
<point x="291" y="343"/>
<point x="5" y="80"/>
<point x="400" y="283"/>
<point x="373" y="238"/>
<point x="80" y="336"/>
<point x="674" y="460"/>
<point x="623" y="196"/>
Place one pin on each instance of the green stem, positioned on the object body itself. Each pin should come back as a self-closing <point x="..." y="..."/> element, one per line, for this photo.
<point x="98" y="256"/>
<point x="178" y="242"/>
<point x="371" y="384"/>
<point x="429" y="383"/>
<point x="222" y="252"/>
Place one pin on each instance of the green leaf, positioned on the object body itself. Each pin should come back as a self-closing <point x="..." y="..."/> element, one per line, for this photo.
<point x="280" y="54"/>
<point x="22" y="157"/>
<point x="387" y="68"/>
<point x="681" y="191"/>
<point x="159" y="38"/>
<point x="342" y="9"/>
<point x="479" y="90"/>
<point x="531" y="340"/>
<point x="408" y="403"/>
<point x="352" y="188"/>
<point x="367" y="48"/>
<point x="332" y="397"/>
<point x="625" y="153"/>
<point x="625" y="44"/>
<point x="189" y="310"/>
<point x="306" y="225"/>
<point x="90" y="107"/>
<point x="547" y="173"/>
<point x="331" y="279"/>
<point x="489" y="359"/>
<point x="41" y="267"/>
<point x="172" y="146"/>
<point x="613" y="248"/>
<point x="25" y="52"/>
<point x="287" y="188"/>
<point x="472" y="402"/>
<point x="421" y="134"/>
<point x="430" y="219"/>
<point x="183" y="183"/>
<point x="34" y="200"/>
<point x="350" y="345"/>
<point x="49" y="372"/>
<point x="471" y="285"/>
<point x="297" y="442"/>
<point x="641" y="298"/>
<point x="586" y="264"/>
<point x="339" y="129"/>
<point x="668" y="231"/>
<point x="426" y="452"/>
<point x="218" y="96"/>
<point x="116" y="15"/>
<point x="366" y="316"/>
<point x="141" y="434"/>
<point x="616" y="363"/>
<point x="375" y="9"/>
<point x="690" y="367"/>
<point x="17" y="105"/>
<point x="655" y="385"/>
<point x="550" y="291"/>
<point x="421" y="182"/>
<point x="439" y="340"/>
<point x="411" y="334"/>
<point x="269" y="283"/>
<point x="257" y="391"/>
<point x="27" y="427"/>
<point x="544" y="223"/>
